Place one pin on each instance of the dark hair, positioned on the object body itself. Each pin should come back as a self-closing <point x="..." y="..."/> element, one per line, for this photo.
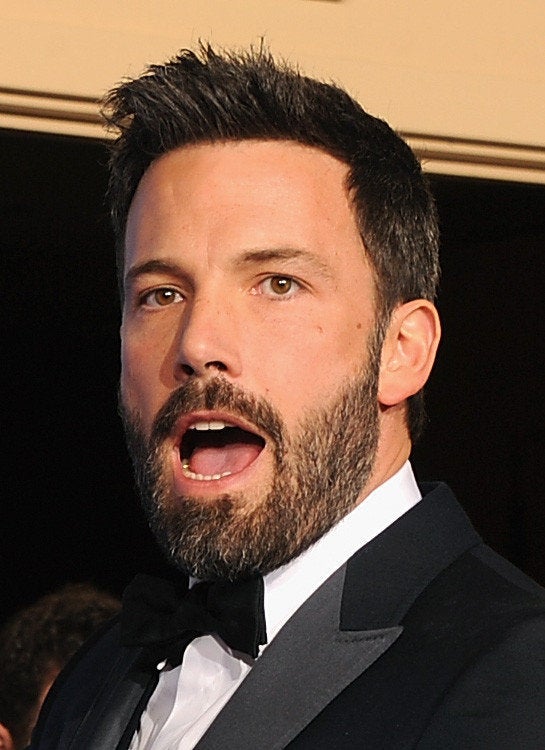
<point x="208" y="96"/>
<point x="37" y="642"/>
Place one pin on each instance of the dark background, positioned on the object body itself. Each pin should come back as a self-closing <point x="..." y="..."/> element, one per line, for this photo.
<point x="68" y="510"/>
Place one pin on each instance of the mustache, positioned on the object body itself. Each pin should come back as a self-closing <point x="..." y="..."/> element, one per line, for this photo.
<point x="217" y="394"/>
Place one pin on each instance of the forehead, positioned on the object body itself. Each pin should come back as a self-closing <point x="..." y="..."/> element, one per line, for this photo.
<point x="250" y="158"/>
<point x="245" y="192"/>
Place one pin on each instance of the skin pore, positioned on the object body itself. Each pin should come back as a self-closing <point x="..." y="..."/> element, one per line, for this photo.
<point x="250" y="312"/>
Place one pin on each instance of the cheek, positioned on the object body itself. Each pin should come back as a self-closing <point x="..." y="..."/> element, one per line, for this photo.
<point x="140" y="380"/>
<point x="302" y="368"/>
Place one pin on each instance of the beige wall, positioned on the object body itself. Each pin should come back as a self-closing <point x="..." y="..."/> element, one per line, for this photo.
<point x="464" y="81"/>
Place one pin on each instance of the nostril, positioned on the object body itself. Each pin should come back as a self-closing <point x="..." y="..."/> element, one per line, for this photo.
<point x="186" y="370"/>
<point x="216" y="365"/>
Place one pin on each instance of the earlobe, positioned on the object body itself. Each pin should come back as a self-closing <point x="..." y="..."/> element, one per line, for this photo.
<point x="6" y="741"/>
<point x="408" y="352"/>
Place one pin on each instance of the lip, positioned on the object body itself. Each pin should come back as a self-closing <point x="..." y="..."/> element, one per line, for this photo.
<point x="185" y="485"/>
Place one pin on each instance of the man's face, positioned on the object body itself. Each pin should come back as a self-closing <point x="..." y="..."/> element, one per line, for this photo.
<point x="249" y="360"/>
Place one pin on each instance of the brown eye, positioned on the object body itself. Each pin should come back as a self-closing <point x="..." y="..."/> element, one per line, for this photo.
<point x="162" y="297"/>
<point x="278" y="287"/>
<point x="281" y="284"/>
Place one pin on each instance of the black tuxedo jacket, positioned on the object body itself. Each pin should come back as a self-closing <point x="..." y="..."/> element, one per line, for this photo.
<point x="425" y="639"/>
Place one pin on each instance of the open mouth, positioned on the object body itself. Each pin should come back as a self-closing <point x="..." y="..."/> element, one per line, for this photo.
<point x="213" y="449"/>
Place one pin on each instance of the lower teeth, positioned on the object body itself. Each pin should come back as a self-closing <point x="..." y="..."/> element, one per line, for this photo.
<point x="202" y="477"/>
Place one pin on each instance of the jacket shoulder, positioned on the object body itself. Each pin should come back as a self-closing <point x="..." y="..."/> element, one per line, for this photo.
<point x="481" y="625"/>
<point x="496" y="698"/>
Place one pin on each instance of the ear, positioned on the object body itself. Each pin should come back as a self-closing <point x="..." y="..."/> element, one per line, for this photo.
<point x="408" y="351"/>
<point x="6" y="742"/>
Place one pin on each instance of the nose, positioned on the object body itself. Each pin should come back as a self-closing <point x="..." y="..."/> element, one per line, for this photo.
<point x="208" y="340"/>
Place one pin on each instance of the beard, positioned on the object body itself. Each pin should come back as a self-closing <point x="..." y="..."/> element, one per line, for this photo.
<point x="319" y="473"/>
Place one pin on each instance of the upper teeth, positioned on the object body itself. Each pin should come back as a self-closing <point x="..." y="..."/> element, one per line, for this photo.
<point x="212" y="425"/>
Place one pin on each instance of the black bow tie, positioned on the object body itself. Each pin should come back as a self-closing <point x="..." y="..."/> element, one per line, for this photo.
<point x="164" y="617"/>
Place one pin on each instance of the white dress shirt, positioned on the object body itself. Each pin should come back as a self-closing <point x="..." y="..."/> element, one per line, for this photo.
<point x="187" y="700"/>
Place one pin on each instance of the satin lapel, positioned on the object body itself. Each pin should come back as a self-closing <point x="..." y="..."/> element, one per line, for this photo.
<point x="111" y="717"/>
<point x="306" y="666"/>
<point x="401" y="562"/>
<point x="113" y="723"/>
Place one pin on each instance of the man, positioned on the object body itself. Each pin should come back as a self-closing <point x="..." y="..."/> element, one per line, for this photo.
<point x="35" y="644"/>
<point x="278" y="260"/>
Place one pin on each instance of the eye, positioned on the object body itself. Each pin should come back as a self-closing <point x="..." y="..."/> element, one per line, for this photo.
<point x="279" y="286"/>
<point x="161" y="297"/>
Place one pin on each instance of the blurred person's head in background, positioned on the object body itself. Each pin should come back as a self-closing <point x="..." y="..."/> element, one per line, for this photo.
<point x="35" y="644"/>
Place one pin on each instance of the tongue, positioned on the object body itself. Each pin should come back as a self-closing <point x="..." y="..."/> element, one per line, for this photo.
<point x="234" y="457"/>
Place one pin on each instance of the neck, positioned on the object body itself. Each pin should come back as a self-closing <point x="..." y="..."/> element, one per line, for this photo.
<point x="393" y="450"/>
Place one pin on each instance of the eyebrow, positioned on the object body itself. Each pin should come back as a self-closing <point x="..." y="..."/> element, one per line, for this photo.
<point x="248" y="258"/>
<point x="257" y="257"/>
<point x="152" y="266"/>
